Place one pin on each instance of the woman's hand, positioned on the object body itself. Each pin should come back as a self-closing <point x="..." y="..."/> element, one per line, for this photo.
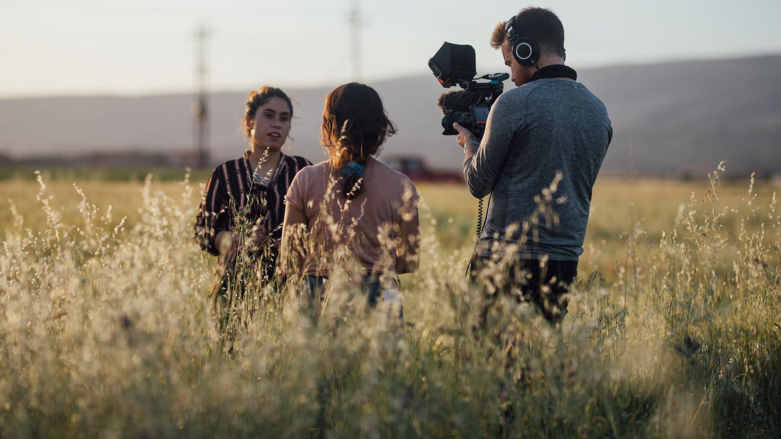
<point x="293" y="252"/>
<point x="226" y="243"/>
<point x="226" y="246"/>
<point x="408" y="244"/>
<point x="261" y="240"/>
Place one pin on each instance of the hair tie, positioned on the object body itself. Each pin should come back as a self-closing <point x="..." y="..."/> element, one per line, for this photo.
<point x="353" y="168"/>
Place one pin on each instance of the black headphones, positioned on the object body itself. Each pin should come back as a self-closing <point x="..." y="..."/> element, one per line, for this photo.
<point x="525" y="49"/>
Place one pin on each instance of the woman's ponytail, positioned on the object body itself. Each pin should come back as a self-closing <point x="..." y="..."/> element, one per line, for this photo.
<point x="353" y="178"/>
<point x="355" y="125"/>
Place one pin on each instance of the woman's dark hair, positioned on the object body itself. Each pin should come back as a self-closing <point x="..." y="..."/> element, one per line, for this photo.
<point x="355" y="125"/>
<point x="260" y="97"/>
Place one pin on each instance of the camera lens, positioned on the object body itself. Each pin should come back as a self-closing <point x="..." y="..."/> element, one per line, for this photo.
<point x="462" y="117"/>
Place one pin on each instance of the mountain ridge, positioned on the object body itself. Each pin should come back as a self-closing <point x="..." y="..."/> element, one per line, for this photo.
<point x="668" y="117"/>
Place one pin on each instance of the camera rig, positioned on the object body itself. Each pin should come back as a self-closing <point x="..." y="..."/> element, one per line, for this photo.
<point x="454" y="64"/>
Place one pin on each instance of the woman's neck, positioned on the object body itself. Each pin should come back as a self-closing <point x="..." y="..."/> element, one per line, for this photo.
<point x="269" y="159"/>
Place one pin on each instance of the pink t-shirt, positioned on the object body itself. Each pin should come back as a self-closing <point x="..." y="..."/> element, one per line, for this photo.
<point x="369" y="223"/>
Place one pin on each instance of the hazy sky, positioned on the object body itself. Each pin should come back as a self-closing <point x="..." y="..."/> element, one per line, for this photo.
<point x="132" y="47"/>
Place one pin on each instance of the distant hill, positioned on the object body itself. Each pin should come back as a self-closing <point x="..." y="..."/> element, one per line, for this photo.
<point x="668" y="118"/>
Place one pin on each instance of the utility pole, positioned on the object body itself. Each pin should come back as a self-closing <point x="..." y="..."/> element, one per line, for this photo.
<point x="356" y="23"/>
<point x="200" y="106"/>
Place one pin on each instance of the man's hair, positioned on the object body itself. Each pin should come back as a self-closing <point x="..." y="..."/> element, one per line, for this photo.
<point x="538" y="23"/>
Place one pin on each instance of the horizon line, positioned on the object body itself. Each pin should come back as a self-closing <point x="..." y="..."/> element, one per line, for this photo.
<point x="235" y="89"/>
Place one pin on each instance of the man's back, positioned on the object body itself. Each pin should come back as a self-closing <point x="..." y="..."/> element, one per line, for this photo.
<point x="535" y="131"/>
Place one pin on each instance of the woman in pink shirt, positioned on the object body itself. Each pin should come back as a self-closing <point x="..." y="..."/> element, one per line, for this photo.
<point x="352" y="212"/>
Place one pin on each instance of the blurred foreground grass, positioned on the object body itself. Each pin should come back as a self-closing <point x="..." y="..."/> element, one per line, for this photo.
<point x="673" y="330"/>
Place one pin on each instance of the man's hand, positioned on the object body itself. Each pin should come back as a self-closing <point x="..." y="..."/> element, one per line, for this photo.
<point x="467" y="140"/>
<point x="464" y="135"/>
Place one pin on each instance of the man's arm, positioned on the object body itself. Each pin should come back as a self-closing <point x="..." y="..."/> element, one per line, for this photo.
<point x="483" y="161"/>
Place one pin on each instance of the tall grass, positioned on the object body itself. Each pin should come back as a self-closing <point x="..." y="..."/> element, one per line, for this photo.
<point x="106" y="331"/>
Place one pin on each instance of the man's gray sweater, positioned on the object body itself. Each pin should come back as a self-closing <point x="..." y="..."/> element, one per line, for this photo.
<point x="545" y="127"/>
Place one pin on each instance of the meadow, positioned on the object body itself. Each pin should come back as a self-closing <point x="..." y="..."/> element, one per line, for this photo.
<point x="106" y="329"/>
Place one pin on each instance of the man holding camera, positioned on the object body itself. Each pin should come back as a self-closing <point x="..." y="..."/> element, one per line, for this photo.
<point x="543" y="147"/>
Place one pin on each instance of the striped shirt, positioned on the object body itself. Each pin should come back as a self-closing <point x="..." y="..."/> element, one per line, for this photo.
<point x="232" y="191"/>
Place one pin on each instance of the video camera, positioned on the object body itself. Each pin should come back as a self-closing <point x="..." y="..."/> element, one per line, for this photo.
<point x="454" y="64"/>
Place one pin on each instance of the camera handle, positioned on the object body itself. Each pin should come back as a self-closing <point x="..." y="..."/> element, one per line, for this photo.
<point x="480" y="225"/>
<point x="479" y="221"/>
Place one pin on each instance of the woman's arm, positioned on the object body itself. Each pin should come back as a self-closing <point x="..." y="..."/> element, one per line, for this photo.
<point x="407" y="258"/>
<point x="212" y="223"/>
<point x="292" y="253"/>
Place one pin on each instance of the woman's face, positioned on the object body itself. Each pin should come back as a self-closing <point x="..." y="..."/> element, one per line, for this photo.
<point x="271" y="124"/>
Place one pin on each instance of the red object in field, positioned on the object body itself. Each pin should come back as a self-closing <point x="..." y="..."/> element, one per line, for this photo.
<point x="415" y="168"/>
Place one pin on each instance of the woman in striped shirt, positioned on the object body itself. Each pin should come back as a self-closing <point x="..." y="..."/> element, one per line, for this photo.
<point x="243" y="205"/>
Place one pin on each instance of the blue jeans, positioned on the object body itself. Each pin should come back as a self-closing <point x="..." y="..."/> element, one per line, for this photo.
<point x="370" y="284"/>
<point x="535" y="283"/>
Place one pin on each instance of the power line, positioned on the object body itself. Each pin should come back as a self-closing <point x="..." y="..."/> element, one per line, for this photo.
<point x="201" y="104"/>
<point x="355" y="19"/>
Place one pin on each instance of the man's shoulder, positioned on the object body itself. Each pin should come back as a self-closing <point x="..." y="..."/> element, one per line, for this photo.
<point x="511" y="101"/>
<point x="590" y="98"/>
<point x="525" y="89"/>
<point x="521" y="95"/>
<point x="551" y="90"/>
<point x="517" y="93"/>
<point x="594" y="97"/>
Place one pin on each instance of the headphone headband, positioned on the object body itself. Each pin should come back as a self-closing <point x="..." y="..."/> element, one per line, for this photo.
<point x="508" y="27"/>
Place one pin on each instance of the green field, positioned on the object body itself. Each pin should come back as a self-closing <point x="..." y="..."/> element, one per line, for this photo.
<point x="106" y="331"/>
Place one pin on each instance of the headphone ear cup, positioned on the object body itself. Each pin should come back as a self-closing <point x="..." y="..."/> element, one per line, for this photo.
<point x="526" y="51"/>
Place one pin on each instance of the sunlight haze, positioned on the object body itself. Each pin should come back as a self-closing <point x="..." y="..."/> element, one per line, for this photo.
<point x="123" y="47"/>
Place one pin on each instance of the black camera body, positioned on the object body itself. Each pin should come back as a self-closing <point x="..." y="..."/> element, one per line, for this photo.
<point x="454" y="64"/>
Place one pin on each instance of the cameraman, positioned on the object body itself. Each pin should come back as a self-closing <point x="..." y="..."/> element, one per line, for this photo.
<point x="549" y="132"/>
